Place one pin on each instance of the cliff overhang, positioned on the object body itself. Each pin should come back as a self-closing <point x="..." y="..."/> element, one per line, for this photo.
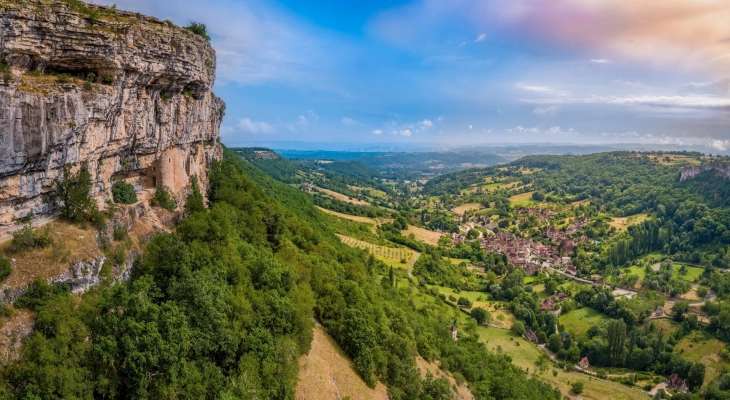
<point x="126" y="94"/>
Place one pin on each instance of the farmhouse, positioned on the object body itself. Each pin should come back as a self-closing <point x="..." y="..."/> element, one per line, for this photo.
<point x="675" y="382"/>
<point x="583" y="363"/>
<point x="547" y="304"/>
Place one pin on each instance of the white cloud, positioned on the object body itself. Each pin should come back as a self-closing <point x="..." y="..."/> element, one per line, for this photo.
<point x="556" y="130"/>
<point x="471" y="126"/>
<point x="426" y="123"/>
<point x="600" y="61"/>
<point x="720" y="87"/>
<point x="350" y="122"/>
<point x="312" y="115"/>
<point x="303" y="120"/>
<point x="550" y="111"/>
<point x="377" y="132"/>
<point x="440" y="119"/>
<point x="406" y="132"/>
<point x="254" y="127"/>
<point x="522" y="129"/>
<point x="721" y="145"/>
<point x="227" y="129"/>
<point x="481" y="37"/>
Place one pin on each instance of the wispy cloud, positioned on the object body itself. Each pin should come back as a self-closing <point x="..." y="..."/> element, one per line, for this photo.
<point x="406" y="132"/>
<point x="600" y="61"/>
<point x="377" y="132"/>
<point x="350" y="122"/>
<point x="255" y="127"/>
<point x="481" y="37"/>
<point x="550" y="111"/>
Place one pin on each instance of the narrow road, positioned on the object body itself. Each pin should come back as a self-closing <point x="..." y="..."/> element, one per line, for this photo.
<point x="412" y="263"/>
<point x="575" y="278"/>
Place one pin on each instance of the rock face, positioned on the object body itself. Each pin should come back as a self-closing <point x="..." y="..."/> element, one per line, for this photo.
<point x="126" y="94"/>
<point x="722" y="168"/>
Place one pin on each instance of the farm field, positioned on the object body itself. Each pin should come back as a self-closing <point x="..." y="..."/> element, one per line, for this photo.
<point x="468" y="207"/>
<point x="623" y="223"/>
<point x="704" y="348"/>
<point x="355" y="218"/>
<point x="580" y="320"/>
<point x="390" y="253"/>
<point x="522" y="200"/>
<point x="692" y="272"/>
<point x="424" y="235"/>
<point x="342" y="197"/>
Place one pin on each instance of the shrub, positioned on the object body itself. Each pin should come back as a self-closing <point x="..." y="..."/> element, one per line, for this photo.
<point x="198" y="29"/>
<point x="163" y="198"/>
<point x="29" y="238"/>
<point x="40" y="293"/>
<point x="107" y="80"/>
<point x="121" y="232"/>
<point x="464" y="302"/>
<point x="5" y="268"/>
<point x="577" y="387"/>
<point x="209" y="63"/>
<point x="64" y="78"/>
<point x="123" y="193"/>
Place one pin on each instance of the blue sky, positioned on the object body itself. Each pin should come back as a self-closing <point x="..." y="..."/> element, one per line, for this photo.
<point x="462" y="72"/>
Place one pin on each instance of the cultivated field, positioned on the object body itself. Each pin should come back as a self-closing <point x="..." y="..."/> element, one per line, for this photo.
<point x="340" y="196"/>
<point x="523" y="200"/>
<point x="390" y="253"/>
<point x="467" y="207"/>
<point x="355" y="218"/>
<point x="580" y="320"/>
<point x="424" y="235"/>
<point x="623" y="223"/>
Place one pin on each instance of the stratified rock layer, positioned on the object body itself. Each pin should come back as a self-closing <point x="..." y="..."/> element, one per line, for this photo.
<point x="126" y="94"/>
<point x="722" y="169"/>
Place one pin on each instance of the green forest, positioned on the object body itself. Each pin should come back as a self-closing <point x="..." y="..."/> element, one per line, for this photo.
<point x="223" y="307"/>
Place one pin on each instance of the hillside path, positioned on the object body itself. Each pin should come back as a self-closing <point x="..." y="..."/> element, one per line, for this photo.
<point x="412" y="263"/>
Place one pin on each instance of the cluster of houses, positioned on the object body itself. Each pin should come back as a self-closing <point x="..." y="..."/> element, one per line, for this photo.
<point x="527" y="254"/>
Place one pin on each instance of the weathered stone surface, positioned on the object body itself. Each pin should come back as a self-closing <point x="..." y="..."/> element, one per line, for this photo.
<point x="149" y="116"/>
<point x="722" y="168"/>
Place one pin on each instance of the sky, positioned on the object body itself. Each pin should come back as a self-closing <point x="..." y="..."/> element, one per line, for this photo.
<point x="467" y="72"/>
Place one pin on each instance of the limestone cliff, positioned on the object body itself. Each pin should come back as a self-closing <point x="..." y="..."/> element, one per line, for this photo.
<point x="127" y="94"/>
<point x="722" y="169"/>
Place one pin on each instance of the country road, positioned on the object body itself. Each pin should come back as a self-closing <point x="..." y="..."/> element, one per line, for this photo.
<point x="413" y="262"/>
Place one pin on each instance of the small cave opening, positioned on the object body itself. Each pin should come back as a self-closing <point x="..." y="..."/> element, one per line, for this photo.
<point x="194" y="89"/>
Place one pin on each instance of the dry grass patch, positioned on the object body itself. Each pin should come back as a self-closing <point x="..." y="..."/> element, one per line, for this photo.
<point x="70" y="242"/>
<point x="467" y="207"/>
<point x="327" y="373"/>
<point x="342" y="197"/>
<point x="424" y="235"/>
<point x="355" y="218"/>
<point x="623" y="223"/>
